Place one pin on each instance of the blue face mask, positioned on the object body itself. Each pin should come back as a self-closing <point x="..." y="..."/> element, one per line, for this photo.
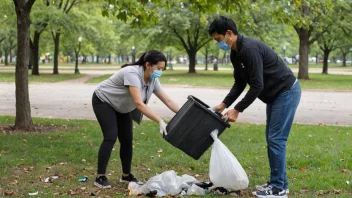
<point x="222" y="45"/>
<point x="156" y="74"/>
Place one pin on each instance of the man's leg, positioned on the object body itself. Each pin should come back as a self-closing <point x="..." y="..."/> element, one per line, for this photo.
<point x="282" y="115"/>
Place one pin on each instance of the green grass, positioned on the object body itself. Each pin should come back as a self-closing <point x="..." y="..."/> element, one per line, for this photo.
<point x="224" y="79"/>
<point x="10" y="77"/>
<point x="318" y="158"/>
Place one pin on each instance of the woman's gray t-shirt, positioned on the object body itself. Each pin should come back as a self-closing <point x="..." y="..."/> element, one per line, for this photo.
<point x="115" y="91"/>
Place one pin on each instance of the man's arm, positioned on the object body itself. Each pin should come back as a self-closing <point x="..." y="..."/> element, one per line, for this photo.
<point x="236" y="90"/>
<point x="254" y="63"/>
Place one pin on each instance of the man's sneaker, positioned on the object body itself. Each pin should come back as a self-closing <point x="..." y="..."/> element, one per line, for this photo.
<point x="263" y="187"/>
<point x="102" y="182"/>
<point x="267" y="186"/>
<point x="130" y="178"/>
<point x="271" y="193"/>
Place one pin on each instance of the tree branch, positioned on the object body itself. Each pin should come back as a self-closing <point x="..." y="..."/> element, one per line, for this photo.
<point x="179" y="37"/>
<point x="29" y="4"/>
<point x="72" y="4"/>
<point x="204" y="43"/>
<point x="60" y="4"/>
<point x="316" y="37"/>
<point x="189" y="39"/>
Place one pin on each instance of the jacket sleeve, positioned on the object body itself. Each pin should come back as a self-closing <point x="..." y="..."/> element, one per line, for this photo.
<point x="236" y="90"/>
<point x="253" y="61"/>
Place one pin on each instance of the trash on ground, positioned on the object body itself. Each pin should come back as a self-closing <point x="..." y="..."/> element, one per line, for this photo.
<point x="83" y="179"/>
<point x="50" y="179"/>
<point x="166" y="183"/>
<point x="32" y="194"/>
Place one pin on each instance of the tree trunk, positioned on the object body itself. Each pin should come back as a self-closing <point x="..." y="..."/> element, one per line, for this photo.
<point x="326" y="57"/>
<point x="344" y="59"/>
<point x="23" y="109"/>
<point x="109" y="57"/>
<point x="56" y="53"/>
<point x="206" y="58"/>
<point x="303" y="54"/>
<point x="192" y="61"/>
<point x="10" y="56"/>
<point x="35" y="53"/>
<point x="97" y="58"/>
<point x="6" y="57"/>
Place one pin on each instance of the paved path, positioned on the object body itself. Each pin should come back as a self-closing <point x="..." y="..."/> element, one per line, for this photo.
<point x="73" y="100"/>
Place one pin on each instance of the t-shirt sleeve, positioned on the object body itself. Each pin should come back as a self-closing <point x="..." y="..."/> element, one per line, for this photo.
<point x="157" y="86"/>
<point x="131" y="79"/>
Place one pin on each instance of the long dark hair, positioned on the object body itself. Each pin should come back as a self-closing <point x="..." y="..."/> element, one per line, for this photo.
<point x="152" y="56"/>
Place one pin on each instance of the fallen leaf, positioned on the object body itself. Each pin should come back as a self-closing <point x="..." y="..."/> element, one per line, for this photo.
<point x="73" y="192"/>
<point x="47" y="168"/>
<point x="7" y="193"/>
<point x="262" y="156"/>
<point x="304" y="192"/>
<point x="347" y="182"/>
<point x="331" y="139"/>
<point x="160" y="150"/>
<point x="24" y="140"/>
<point x="303" y="170"/>
<point x="341" y="160"/>
<point x="344" y="170"/>
<point x="83" y="188"/>
<point x="320" y="192"/>
<point x="197" y="175"/>
<point x="337" y="191"/>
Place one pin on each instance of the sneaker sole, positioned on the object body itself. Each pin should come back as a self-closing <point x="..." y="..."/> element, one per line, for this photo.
<point x="271" y="196"/>
<point x="101" y="186"/>
<point x="260" y="188"/>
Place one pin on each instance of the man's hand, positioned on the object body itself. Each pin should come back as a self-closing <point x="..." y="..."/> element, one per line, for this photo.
<point x="231" y="115"/>
<point x="163" y="125"/>
<point x="219" y="108"/>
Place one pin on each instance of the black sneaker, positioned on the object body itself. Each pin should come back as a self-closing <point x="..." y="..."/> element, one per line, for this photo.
<point x="271" y="193"/>
<point x="102" y="182"/>
<point x="130" y="178"/>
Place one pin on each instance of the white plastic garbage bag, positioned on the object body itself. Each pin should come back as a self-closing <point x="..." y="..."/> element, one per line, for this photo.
<point x="167" y="183"/>
<point x="225" y="170"/>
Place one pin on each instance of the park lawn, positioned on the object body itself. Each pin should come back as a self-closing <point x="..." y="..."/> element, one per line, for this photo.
<point x="224" y="79"/>
<point x="10" y="77"/>
<point x="319" y="160"/>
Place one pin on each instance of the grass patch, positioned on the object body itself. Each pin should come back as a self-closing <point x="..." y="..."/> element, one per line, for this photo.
<point x="224" y="79"/>
<point x="10" y="77"/>
<point x="318" y="160"/>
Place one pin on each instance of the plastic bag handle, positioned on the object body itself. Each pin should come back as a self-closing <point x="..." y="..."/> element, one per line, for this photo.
<point x="214" y="134"/>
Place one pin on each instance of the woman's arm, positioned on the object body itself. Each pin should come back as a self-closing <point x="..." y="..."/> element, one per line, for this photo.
<point x="171" y="104"/>
<point x="138" y="101"/>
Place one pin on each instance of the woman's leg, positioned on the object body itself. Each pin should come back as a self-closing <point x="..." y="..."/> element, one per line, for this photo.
<point x="106" y="116"/>
<point x="125" y="135"/>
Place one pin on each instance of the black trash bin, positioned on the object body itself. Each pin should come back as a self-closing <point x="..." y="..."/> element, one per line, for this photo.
<point x="189" y="130"/>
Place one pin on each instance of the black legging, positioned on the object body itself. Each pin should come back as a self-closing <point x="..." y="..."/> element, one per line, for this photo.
<point x="114" y="125"/>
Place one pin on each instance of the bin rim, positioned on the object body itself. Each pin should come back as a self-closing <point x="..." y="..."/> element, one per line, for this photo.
<point x="203" y="105"/>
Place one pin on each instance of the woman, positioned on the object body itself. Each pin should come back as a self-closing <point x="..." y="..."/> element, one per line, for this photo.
<point x="121" y="98"/>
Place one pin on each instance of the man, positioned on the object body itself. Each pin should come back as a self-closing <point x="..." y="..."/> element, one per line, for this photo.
<point x="270" y="80"/>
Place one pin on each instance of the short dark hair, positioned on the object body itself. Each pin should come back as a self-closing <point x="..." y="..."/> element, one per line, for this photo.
<point x="152" y="56"/>
<point x="221" y="25"/>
